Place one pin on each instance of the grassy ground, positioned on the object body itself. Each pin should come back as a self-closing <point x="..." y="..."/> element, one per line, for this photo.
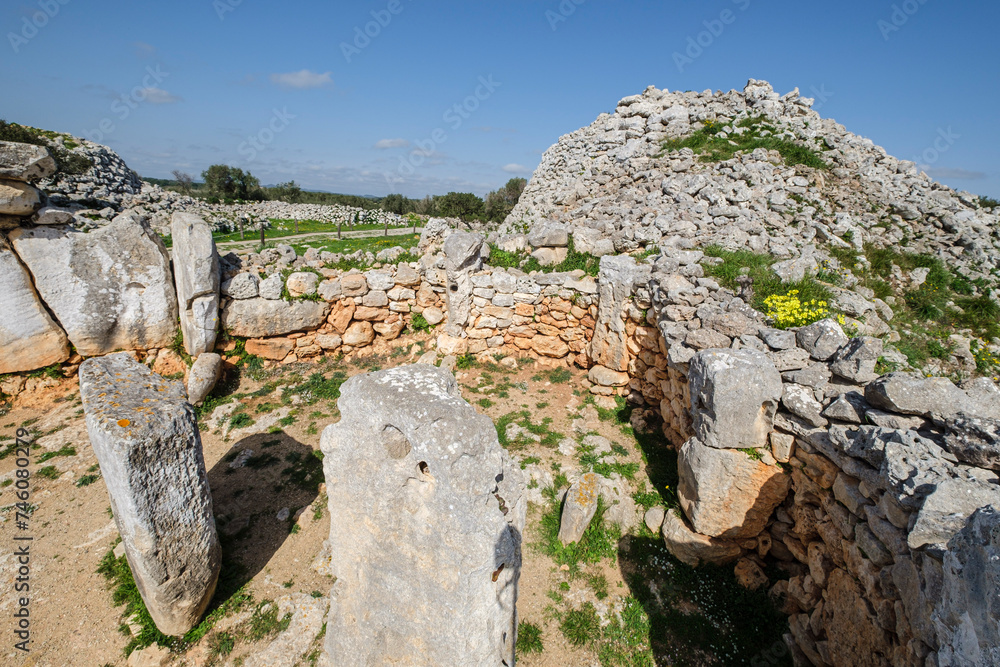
<point x="281" y="228"/>
<point x="749" y="134"/>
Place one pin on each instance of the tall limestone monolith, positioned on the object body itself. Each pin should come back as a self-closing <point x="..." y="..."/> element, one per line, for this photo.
<point x="427" y="512"/>
<point x="146" y="439"/>
<point x="196" y="273"/>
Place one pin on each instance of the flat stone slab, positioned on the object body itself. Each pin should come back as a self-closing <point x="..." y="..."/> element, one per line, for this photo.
<point x="427" y="512"/>
<point x="146" y="439"/>
<point x="264" y="318"/>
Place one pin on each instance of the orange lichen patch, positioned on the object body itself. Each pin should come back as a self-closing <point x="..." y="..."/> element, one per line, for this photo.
<point x="123" y="422"/>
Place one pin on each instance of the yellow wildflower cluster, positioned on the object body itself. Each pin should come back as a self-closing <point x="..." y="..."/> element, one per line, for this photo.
<point x="986" y="361"/>
<point x="789" y="311"/>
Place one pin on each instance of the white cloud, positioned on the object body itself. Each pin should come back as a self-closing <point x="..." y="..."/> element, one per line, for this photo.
<point x="155" y="95"/>
<point x="302" y="80"/>
<point x="392" y="143"/>
<point x="957" y="174"/>
<point x="516" y="169"/>
<point x="143" y="50"/>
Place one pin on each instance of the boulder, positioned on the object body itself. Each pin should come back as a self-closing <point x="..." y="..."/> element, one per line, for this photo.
<point x="579" y="508"/>
<point x="727" y="493"/>
<point x="550" y="256"/>
<point x="693" y="548"/>
<point x="463" y="257"/>
<point x="302" y="283"/>
<point x="29" y="339"/>
<point x="821" y="339"/>
<point x="427" y="513"/>
<point x="856" y="360"/>
<point x="734" y="395"/>
<point x="111" y="289"/>
<point x="275" y="349"/>
<point x="17" y="198"/>
<point x="946" y="510"/>
<point x="927" y="397"/>
<point x="25" y="162"/>
<point x="260" y="318"/>
<point x="801" y="402"/>
<point x="968" y="616"/>
<point x="549" y="236"/>
<point x="145" y="436"/>
<point x="359" y="334"/>
<point x="974" y="441"/>
<point x="605" y="377"/>
<point x="271" y="287"/>
<point x="205" y="372"/>
<point x="196" y="274"/>
<point x="244" y="285"/>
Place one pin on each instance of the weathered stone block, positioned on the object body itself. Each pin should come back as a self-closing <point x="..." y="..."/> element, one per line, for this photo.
<point x="145" y="436"/>
<point x="427" y="512"/>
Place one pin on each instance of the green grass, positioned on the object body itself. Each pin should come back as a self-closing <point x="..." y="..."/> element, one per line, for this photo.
<point x="48" y="472"/>
<point x="765" y="281"/>
<point x="581" y="627"/>
<point x="707" y="143"/>
<point x="230" y="597"/>
<point x="465" y="362"/>
<point x="599" y="541"/>
<point x="240" y="420"/>
<point x="87" y="480"/>
<point x="418" y="323"/>
<point x="585" y="262"/>
<point x="65" y="450"/>
<point x="625" y="641"/>
<point x="318" y="387"/>
<point x="529" y="638"/>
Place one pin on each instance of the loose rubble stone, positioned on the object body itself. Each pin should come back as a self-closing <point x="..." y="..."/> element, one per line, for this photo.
<point x="146" y="439"/>
<point x="928" y="397"/>
<point x="25" y="162"/>
<point x="17" y="198"/>
<point x="242" y="286"/>
<point x="205" y="372"/>
<point x="427" y="512"/>
<point x="974" y="441"/>
<point x="579" y="508"/>
<point x="856" y="360"/>
<point x="821" y="339"/>
<point x="302" y="284"/>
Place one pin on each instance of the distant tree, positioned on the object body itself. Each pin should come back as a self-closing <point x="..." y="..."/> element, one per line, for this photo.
<point x="426" y="206"/>
<point x="288" y="192"/>
<point x="394" y="204"/>
<point x="464" y="205"/>
<point x="230" y="183"/>
<point x="184" y="181"/>
<point x="500" y="203"/>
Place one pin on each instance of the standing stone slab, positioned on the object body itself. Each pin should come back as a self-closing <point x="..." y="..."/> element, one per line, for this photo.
<point x="146" y="439"/>
<point x="110" y="289"/>
<point x="29" y="339"/>
<point x="615" y="280"/>
<point x="734" y="395"/>
<point x="196" y="273"/>
<point x="427" y="512"/>
<point x="463" y="257"/>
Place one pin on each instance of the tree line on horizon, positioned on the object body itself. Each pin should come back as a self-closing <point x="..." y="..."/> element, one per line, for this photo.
<point x="225" y="184"/>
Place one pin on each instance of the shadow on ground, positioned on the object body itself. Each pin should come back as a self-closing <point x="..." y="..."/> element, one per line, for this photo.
<point x="262" y="475"/>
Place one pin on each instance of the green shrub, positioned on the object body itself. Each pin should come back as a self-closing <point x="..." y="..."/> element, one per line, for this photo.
<point x="419" y="323"/>
<point x="713" y="148"/>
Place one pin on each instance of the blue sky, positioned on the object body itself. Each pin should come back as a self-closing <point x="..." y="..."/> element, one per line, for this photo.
<point x="270" y="87"/>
